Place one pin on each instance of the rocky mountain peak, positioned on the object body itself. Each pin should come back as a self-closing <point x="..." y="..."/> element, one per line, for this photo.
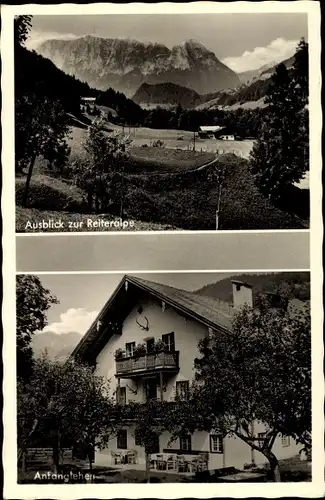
<point x="125" y="64"/>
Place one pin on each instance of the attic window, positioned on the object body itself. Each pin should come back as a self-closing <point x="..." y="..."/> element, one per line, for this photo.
<point x="238" y="287"/>
<point x="163" y="306"/>
<point x="126" y="284"/>
<point x="140" y="310"/>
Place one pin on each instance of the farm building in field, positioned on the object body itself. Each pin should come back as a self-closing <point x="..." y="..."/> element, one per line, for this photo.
<point x="87" y="100"/>
<point x="227" y="137"/>
<point x="145" y="340"/>
<point x="208" y="131"/>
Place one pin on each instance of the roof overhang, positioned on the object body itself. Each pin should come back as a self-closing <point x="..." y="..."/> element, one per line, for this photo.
<point x="118" y="306"/>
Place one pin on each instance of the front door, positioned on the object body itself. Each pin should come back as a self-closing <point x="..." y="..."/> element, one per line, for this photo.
<point x="151" y="388"/>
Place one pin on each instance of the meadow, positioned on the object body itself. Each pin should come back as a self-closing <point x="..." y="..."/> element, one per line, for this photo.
<point x="164" y="188"/>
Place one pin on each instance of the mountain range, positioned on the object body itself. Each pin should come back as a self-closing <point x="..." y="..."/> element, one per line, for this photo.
<point x="293" y="285"/>
<point x="125" y="64"/>
<point x="248" y="95"/>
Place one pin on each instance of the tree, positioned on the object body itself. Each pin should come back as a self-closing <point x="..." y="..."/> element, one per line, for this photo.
<point x="261" y="372"/>
<point x="280" y="155"/>
<point x="32" y="303"/>
<point x="103" y="164"/>
<point x="22" y="25"/>
<point x="148" y="422"/>
<point x="71" y="405"/>
<point x="41" y="129"/>
<point x="217" y="176"/>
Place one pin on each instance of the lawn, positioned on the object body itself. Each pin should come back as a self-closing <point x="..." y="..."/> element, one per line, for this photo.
<point x="155" y="159"/>
<point x="292" y="470"/>
<point x="184" y="200"/>
<point x="174" y="139"/>
<point x="188" y="200"/>
<point x="156" y="200"/>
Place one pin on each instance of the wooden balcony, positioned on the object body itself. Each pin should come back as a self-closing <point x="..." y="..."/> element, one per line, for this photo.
<point x="136" y="366"/>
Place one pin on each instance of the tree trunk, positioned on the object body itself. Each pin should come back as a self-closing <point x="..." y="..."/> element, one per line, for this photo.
<point x="148" y="467"/>
<point x="122" y="199"/>
<point x="90" y="467"/>
<point x="29" y="176"/>
<point x="90" y="201"/>
<point x="56" y="453"/>
<point x="96" y="203"/>
<point x="274" y="465"/>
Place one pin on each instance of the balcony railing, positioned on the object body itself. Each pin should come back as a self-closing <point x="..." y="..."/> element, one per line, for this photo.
<point x="160" y="361"/>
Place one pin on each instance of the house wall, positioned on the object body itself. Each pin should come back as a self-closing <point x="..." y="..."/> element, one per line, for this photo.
<point x="187" y="335"/>
<point x="236" y="453"/>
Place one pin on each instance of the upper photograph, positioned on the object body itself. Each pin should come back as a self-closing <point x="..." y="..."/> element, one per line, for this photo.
<point x="161" y="122"/>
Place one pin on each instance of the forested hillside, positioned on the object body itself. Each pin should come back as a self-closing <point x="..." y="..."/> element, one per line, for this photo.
<point x="293" y="285"/>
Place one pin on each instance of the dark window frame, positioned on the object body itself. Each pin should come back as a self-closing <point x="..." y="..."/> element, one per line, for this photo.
<point x="120" y="391"/>
<point x="188" y="437"/>
<point x="150" y="350"/>
<point x="123" y="438"/>
<point x="212" y="450"/>
<point x="171" y="345"/>
<point x="133" y="344"/>
<point x="182" y="395"/>
<point x="136" y="439"/>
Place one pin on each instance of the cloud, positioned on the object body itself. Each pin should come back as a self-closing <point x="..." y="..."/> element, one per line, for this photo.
<point x="36" y="38"/>
<point x="278" y="50"/>
<point x="72" y="320"/>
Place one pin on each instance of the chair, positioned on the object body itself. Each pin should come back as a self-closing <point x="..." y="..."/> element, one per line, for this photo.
<point x="170" y="463"/>
<point x="117" y="458"/>
<point x="204" y="460"/>
<point x="182" y="464"/>
<point x="161" y="463"/>
<point x="132" y="457"/>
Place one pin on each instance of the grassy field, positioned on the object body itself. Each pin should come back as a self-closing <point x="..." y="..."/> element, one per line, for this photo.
<point x="291" y="469"/>
<point x="153" y="159"/>
<point x="171" y="138"/>
<point x="188" y="200"/>
<point x="161" y="201"/>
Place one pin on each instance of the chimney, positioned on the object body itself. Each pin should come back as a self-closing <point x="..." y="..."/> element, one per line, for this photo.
<point x="276" y="301"/>
<point x="242" y="294"/>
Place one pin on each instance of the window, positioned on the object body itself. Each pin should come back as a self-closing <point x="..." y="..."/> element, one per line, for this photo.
<point x="129" y="349"/>
<point x="185" y="443"/>
<point x="150" y="345"/>
<point x="169" y="340"/>
<point x="285" y="441"/>
<point x="182" y="390"/>
<point x="216" y="443"/>
<point x="121" y="395"/>
<point x="137" y="438"/>
<point x="261" y="438"/>
<point x="122" y="439"/>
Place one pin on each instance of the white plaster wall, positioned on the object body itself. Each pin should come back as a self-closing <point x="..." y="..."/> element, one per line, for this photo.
<point x="242" y="296"/>
<point x="187" y="335"/>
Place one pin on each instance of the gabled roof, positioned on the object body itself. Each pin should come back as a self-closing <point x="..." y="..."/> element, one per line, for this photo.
<point x="211" y="128"/>
<point x="210" y="312"/>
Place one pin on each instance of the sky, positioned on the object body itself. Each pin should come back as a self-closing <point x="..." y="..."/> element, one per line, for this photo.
<point x="82" y="296"/>
<point x="242" y="41"/>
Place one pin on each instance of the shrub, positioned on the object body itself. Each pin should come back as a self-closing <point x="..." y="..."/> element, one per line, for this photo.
<point x="119" y="353"/>
<point x="46" y="193"/>
<point x="158" y="144"/>
<point x="140" y="349"/>
<point x="159" y="346"/>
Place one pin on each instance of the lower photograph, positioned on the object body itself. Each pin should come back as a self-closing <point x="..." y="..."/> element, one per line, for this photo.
<point x="163" y="377"/>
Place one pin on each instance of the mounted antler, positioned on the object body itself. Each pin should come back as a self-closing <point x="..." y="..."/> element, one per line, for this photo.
<point x="146" y="328"/>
